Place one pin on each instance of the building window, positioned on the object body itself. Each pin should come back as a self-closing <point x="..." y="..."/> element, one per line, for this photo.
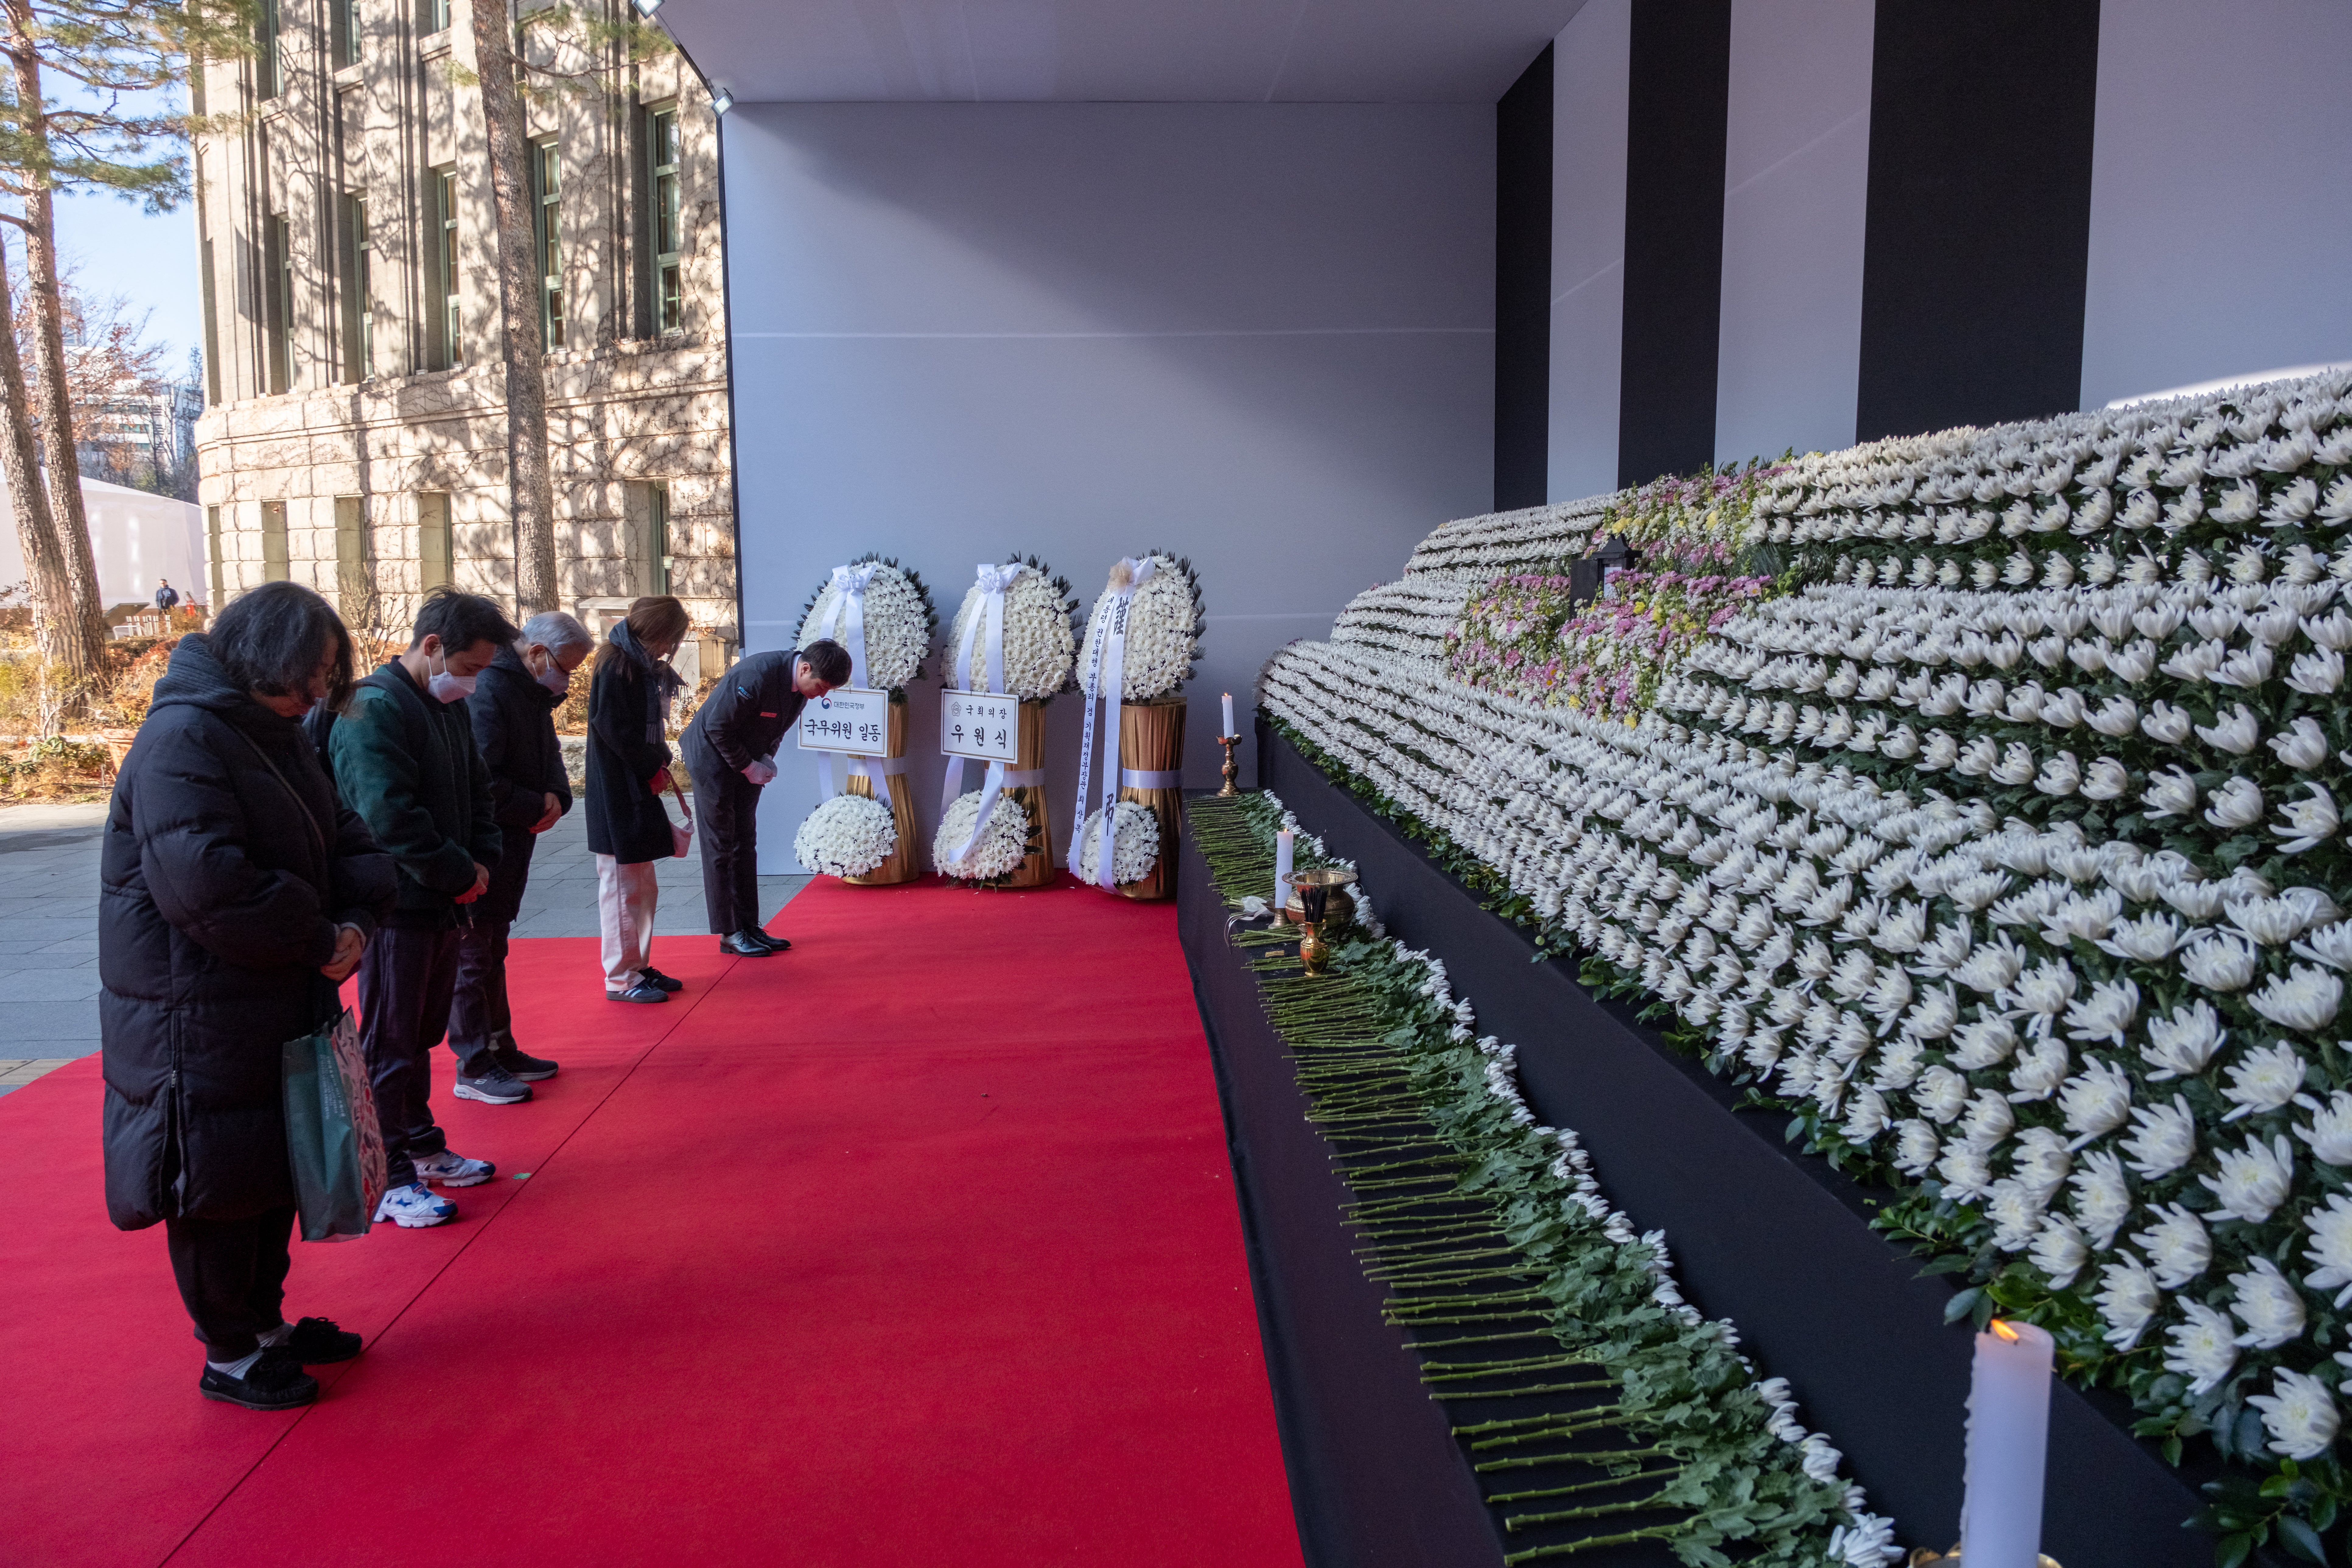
<point x="436" y="552"/>
<point x="451" y="348"/>
<point x="277" y="325"/>
<point x="214" y="579"/>
<point x="547" y="206"/>
<point x="273" y="542"/>
<point x="212" y="330"/>
<point x="657" y="544"/>
<point x="354" y="575"/>
<point x="662" y="154"/>
<point x="436" y="16"/>
<point x="268" y="65"/>
<point x="344" y="18"/>
<point x="359" y="309"/>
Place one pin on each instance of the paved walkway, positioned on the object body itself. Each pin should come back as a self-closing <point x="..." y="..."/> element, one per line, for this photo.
<point x="48" y="923"/>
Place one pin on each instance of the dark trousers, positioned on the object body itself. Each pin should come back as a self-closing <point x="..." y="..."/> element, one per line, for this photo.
<point x="727" y="824"/>
<point x="480" y="1018"/>
<point x="407" y="978"/>
<point x="232" y="1275"/>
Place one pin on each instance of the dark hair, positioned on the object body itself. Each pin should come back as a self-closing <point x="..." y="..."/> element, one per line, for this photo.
<point x="828" y="661"/>
<point x="461" y="620"/>
<point x="270" y="639"/>
<point x="657" y="619"/>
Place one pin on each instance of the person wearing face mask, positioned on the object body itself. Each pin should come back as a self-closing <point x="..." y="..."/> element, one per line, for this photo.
<point x="236" y="894"/>
<point x="629" y="700"/>
<point x="731" y="749"/>
<point x="404" y="759"/>
<point x="513" y="713"/>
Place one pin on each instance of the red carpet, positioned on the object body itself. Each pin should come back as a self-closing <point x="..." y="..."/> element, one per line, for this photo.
<point x="916" y="1244"/>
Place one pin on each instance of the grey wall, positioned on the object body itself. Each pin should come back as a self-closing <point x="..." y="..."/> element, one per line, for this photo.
<point x="1260" y="335"/>
<point x="1590" y="59"/>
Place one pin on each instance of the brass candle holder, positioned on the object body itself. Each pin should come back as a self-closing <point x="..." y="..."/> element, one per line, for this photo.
<point x="1315" y="890"/>
<point x="1230" y="772"/>
<point x="1923" y="1558"/>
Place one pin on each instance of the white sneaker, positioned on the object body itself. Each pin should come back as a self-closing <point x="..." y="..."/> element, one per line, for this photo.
<point x="413" y="1207"/>
<point x="454" y="1170"/>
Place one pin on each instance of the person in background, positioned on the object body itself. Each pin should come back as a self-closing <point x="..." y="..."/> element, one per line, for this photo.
<point x="167" y="598"/>
<point x="404" y="759"/>
<point x="731" y="749"/>
<point x="628" y="768"/>
<point x="513" y="713"/>
<point x="236" y="894"/>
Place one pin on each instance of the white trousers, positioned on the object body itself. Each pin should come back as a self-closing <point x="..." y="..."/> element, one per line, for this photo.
<point x="625" y="896"/>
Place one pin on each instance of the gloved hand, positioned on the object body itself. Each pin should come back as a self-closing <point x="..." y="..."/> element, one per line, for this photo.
<point x="759" y="771"/>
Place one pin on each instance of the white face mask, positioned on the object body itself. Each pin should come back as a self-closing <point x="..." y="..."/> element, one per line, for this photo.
<point x="555" y="677"/>
<point x="448" y="688"/>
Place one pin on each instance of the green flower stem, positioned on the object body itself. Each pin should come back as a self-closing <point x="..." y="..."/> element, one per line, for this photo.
<point x="1468" y="1318"/>
<point x="1478" y="1340"/>
<point x="1426" y="1260"/>
<point x="1605" y="1482"/>
<point x="1496" y="1368"/>
<point x="1653" y="1533"/>
<point x="1530" y="1461"/>
<point x="1520" y="1393"/>
<point x="1497" y="1298"/>
<point x="1591" y="1510"/>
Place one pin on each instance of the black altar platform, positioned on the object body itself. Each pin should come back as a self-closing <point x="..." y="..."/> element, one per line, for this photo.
<point x="1775" y="1240"/>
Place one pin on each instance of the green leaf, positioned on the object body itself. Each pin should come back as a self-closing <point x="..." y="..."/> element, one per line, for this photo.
<point x="1961" y="1305"/>
<point x="2232" y="1550"/>
<point x="1954" y="1265"/>
<point x="2301" y="1539"/>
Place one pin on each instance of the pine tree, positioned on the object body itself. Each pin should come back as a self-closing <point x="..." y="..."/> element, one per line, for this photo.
<point x="116" y="57"/>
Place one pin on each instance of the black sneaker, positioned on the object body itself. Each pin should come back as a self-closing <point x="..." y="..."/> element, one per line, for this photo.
<point x="742" y="945"/>
<point x="316" y="1342"/>
<point x="526" y="1067"/>
<point x="775" y="943"/>
<point x="639" y="992"/>
<point x="493" y="1086"/>
<point x="660" y="981"/>
<point x="275" y="1381"/>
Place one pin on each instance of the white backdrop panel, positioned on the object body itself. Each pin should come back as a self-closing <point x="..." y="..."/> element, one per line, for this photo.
<point x="2218" y="225"/>
<point x="1588" y="246"/>
<point x="1258" y="335"/>
<point x="1796" y="188"/>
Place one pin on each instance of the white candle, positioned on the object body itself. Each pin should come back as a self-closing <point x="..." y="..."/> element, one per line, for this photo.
<point x="1229" y="729"/>
<point x="1281" y="843"/>
<point x="2009" y="1439"/>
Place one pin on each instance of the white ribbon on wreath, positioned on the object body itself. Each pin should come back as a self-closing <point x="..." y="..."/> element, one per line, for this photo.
<point x="1109" y="671"/>
<point x="849" y="629"/>
<point x="987" y="630"/>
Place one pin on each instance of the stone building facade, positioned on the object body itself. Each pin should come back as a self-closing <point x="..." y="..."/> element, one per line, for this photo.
<point x="355" y="437"/>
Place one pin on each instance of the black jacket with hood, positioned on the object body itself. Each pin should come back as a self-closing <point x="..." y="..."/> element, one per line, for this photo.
<point x="628" y="699"/>
<point x="514" y="729"/>
<point x="227" y="866"/>
<point x="406" y="761"/>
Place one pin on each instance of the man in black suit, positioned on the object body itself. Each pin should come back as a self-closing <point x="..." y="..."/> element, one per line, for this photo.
<point x="730" y="749"/>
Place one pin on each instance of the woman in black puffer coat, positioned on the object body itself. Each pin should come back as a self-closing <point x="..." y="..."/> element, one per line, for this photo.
<point x="236" y="893"/>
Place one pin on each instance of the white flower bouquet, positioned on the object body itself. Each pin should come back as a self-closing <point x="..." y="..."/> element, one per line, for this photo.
<point x="1039" y="647"/>
<point x="1164" y="622"/>
<point x="848" y="836"/>
<point x="1003" y="845"/>
<point x="1135" y="844"/>
<point x="898" y="621"/>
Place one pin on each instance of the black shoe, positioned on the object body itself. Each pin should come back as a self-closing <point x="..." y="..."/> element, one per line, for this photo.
<point x="660" y="981"/>
<point x="522" y="1065"/>
<point x="316" y="1342"/>
<point x="741" y="944"/>
<point x="492" y="1086"/>
<point x="775" y="943"/>
<point x="639" y="992"/>
<point x="275" y="1381"/>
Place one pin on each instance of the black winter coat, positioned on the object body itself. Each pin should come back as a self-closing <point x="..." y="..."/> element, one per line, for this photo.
<point x="406" y="762"/>
<point x="222" y="884"/>
<point x="626" y="701"/>
<point x="514" y="729"/>
<point x="747" y="713"/>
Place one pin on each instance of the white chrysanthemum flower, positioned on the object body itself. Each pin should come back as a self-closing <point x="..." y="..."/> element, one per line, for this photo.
<point x="897" y="624"/>
<point x="2181" y="1043"/>
<point x="2305" y="999"/>
<point x="2263" y="1081"/>
<point x="1163" y="634"/>
<point x="1916" y="1147"/>
<point x="2102" y="1200"/>
<point x="2059" y="1250"/>
<point x="1038" y="647"/>
<point x="1868" y="1543"/>
<point x="2220" y="963"/>
<point x="2171" y="794"/>
<point x="848" y="836"/>
<point x="1135" y="844"/>
<point x="2255" y="1180"/>
<point x="2237" y="803"/>
<point x="2329" y="1132"/>
<point x="2178" y="1247"/>
<point x="2300" y="1415"/>
<point x="2269" y="1305"/>
<point x="2164" y="1139"/>
<point x="2330" y="1247"/>
<point x="1002" y="844"/>
<point x="2129" y="1300"/>
<point x="2203" y="1349"/>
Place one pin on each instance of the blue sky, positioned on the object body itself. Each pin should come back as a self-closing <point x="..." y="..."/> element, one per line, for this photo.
<point x="150" y="262"/>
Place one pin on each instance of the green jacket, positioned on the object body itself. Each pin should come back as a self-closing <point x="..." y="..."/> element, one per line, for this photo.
<point x="409" y="767"/>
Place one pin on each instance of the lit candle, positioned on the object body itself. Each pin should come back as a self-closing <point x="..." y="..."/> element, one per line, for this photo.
<point x="1282" y="844"/>
<point x="1229" y="729"/>
<point x="2009" y="1438"/>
